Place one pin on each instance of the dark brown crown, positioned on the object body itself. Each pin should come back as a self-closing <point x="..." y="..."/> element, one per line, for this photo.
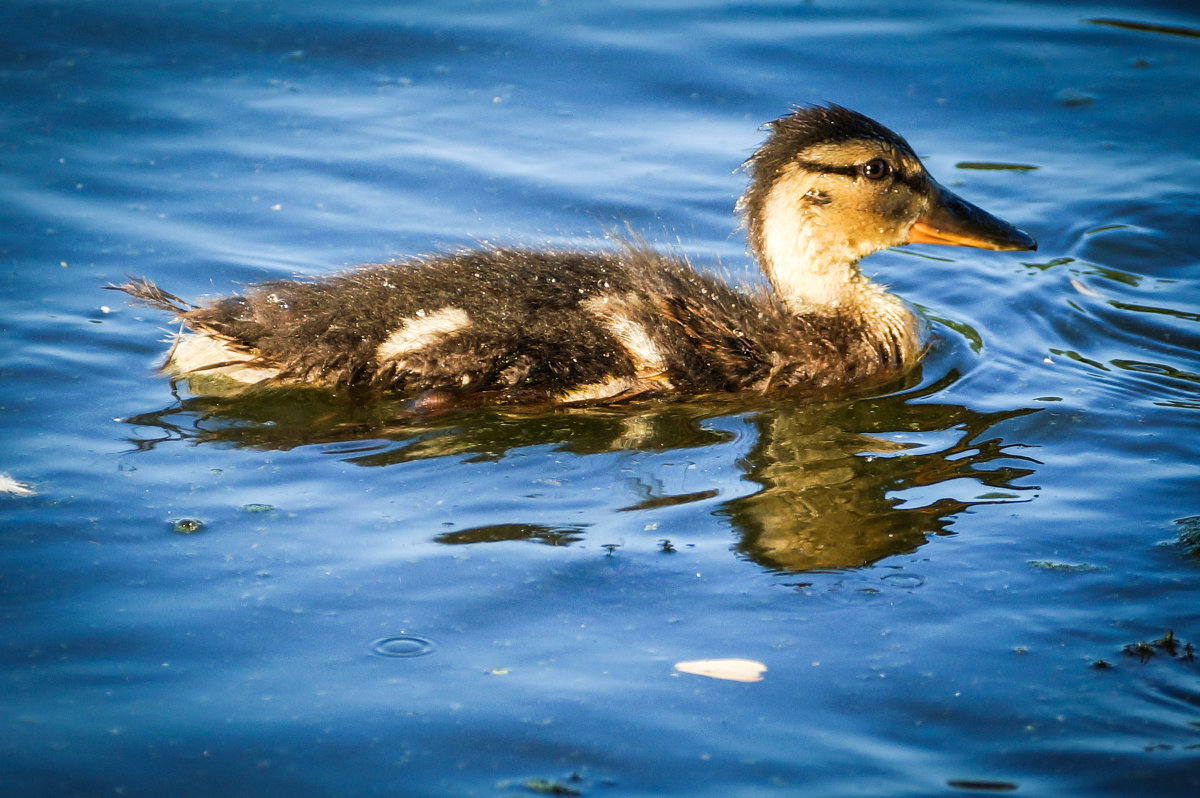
<point x="792" y="135"/>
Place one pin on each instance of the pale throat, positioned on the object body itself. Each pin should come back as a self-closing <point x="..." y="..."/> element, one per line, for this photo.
<point x="811" y="264"/>
<point x="813" y="267"/>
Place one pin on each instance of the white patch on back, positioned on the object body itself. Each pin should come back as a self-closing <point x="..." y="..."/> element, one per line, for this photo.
<point x="615" y="388"/>
<point x="647" y="357"/>
<point x="598" y="391"/>
<point x="422" y="330"/>
<point x="203" y="354"/>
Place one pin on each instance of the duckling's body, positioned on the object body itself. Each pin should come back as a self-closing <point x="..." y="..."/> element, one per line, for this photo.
<point x="565" y="327"/>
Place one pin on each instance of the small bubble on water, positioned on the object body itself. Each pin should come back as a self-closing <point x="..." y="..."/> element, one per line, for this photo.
<point x="403" y="646"/>
<point x="903" y="581"/>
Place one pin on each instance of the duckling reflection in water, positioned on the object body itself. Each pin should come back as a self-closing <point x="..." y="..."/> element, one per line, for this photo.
<point x="828" y="187"/>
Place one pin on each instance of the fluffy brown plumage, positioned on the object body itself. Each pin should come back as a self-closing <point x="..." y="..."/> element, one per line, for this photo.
<point x="530" y="326"/>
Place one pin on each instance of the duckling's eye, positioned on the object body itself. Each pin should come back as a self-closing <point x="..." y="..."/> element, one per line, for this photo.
<point x="876" y="169"/>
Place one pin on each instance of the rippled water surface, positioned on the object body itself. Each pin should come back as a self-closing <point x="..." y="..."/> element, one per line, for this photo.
<point x="985" y="579"/>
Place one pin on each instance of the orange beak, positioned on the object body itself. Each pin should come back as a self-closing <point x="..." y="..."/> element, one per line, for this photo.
<point x="954" y="221"/>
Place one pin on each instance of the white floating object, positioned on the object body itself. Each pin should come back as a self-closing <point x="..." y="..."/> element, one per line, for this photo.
<point x="734" y="670"/>
<point x="13" y="488"/>
<point x="1085" y="290"/>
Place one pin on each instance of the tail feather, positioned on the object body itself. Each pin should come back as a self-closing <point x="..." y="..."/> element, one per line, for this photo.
<point x="147" y="293"/>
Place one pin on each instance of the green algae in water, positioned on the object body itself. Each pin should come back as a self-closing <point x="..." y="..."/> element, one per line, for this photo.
<point x="1189" y="534"/>
<point x="1168" y="644"/>
<point x="187" y="526"/>
<point x="990" y="166"/>
<point x="1074" y="98"/>
<point x="978" y="785"/>
<point x="1065" y="567"/>
<point x="1147" y="27"/>
<point x="544" y="787"/>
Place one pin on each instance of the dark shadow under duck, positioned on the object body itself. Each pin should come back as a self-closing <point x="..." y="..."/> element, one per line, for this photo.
<point x="828" y="187"/>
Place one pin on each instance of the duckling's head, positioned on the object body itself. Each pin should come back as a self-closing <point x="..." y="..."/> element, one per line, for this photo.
<point x="830" y="186"/>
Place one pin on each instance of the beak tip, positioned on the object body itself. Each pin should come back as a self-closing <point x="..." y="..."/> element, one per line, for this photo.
<point x="1026" y="242"/>
<point x="952" y="220"/>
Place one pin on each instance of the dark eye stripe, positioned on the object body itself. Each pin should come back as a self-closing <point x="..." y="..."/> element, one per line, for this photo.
<point x="829" y="169"/>
<point x="915" y="182"/>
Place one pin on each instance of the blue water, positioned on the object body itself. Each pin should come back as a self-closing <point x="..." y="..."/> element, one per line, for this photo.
<point x="307" y="595"/>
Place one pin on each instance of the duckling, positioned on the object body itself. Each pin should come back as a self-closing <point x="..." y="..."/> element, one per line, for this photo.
<point x="828" y="187"/>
